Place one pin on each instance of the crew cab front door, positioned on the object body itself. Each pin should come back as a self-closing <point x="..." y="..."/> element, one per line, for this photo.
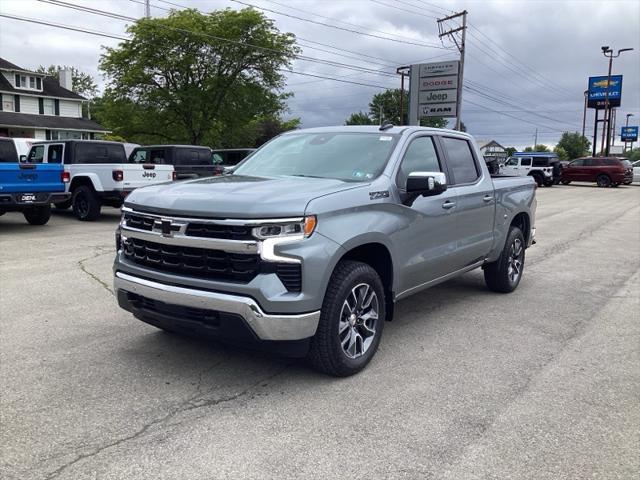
<point x="428" y="243"/>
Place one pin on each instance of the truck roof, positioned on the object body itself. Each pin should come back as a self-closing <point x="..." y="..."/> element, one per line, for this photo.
<point x="403" y="129"/>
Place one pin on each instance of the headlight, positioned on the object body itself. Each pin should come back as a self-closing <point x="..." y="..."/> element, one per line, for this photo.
<point x="300" y="229"/>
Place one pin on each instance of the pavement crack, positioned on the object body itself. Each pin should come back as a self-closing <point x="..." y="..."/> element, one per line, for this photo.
<point x="194" y="402"/>
<point x="81" y="264"/>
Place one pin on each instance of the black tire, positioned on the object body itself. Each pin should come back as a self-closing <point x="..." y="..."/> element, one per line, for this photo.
<point x="603" y="181"/>
<point x="499" y="275"/>
<point x="565" y="182"/>
<point x="538" y="178"/>
<point x="38" y="215"/>
<point x="63" y="205"/>
<point x="326" y="352"/>
<point x="615" y="185"/>
<point x="86" y="204"/>
<point x="548" y="183"/>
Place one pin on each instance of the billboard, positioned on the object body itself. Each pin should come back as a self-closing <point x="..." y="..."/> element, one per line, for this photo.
<point x="629" y="134"/>
<point x="598" y="87"/>
<point x="433" y="90"/>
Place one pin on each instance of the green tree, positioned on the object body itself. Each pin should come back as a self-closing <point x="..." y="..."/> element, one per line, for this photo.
<point x="632" y="155"/>
<point x="385" y="107"/>
<point x="561" y="152"/>
<point x="537" y="148"/>
<point x="510" y="151"/>
<point x="195" y="78"/>
<point x="359" y="118"/>
<point x="574" y="144"/>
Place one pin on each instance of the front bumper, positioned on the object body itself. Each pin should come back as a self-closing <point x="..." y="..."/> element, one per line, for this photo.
<point x="264" y="326"/>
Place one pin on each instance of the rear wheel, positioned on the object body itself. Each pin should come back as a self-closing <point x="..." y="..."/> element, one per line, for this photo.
<point x="565" y="182"/>
<point x="504" y="274"/>
<point x="38" y="215"/>
<point x="538" y="178"/>
<point x="351" y="320"/>
<point x="603" y="181"/>
<point x="615" y="184"/>
<point x="86" y="204"/>
<point x="548" y="183"/>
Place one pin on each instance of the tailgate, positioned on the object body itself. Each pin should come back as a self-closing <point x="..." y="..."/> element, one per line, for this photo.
<point x="140" y="175"/>
<point x="31" y="177"/>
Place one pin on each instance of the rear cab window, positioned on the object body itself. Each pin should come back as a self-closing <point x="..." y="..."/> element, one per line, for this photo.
<point x="8" y="152"/>
<point x="139" y="156"/>
<point x="99" y="153"/>
<point x="461" y="163"/>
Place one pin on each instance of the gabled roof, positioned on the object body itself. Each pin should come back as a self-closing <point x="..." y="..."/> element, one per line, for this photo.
<point x="491" y="143"/>
<point x="50" y="85"/>
<point x="49" y="121"/>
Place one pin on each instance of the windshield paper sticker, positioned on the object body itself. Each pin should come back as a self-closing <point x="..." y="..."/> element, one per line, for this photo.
<point x="385" y="138"/>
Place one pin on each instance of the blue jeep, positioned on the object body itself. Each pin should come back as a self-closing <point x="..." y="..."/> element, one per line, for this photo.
<point x="29" y="188"/>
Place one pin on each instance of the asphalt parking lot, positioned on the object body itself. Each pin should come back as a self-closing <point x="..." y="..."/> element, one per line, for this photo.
<point x="540" y="384"/>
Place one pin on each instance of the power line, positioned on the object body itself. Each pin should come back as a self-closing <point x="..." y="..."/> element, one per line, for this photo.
<point x="403" y="9"/>
<point x="339" y="28"/>
<point x="59" y="25"/>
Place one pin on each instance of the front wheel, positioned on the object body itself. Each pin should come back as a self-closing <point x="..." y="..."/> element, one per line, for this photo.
<point x="351" y="320"/>
<point x="538" y="179"/>
<point x="504" y="274"/>
<point x="38" y="215"/>
<point x="603" y="181"/>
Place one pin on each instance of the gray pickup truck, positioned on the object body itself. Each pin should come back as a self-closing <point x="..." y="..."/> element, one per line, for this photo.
<point x="309" y="244"/>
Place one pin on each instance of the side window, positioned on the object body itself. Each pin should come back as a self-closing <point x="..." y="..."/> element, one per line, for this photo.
<point x="204" y="157"/>
<point x="156" y="156"/>
<point x="461" y="163"/>
<point x="420" y="157"/>
<point x="577" y="163"/>
<point x="54" y="155"/>
<point x="512" y="162"/>
<point x="591" y="162"/>
<point x="36" y="154"/>
<point x="525" y="162"/>
<point x="217" y="159"/>
<point x="8" y="152"/>
<point x="539" y="162"/>
<point x="140" y="156"/>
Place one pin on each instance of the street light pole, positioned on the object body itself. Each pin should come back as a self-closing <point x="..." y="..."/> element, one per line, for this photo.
<point x="626" y="125"/>
<point x="608" y="52"/>
<point x="584" y="113"/>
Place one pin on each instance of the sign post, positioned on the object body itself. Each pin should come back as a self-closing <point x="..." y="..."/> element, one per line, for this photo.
<point x="604" y="93"/>
<point x="434" y="90"/>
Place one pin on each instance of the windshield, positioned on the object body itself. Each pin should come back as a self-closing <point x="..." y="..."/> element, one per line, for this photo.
<point x="626" y="163"/>
<point x="351" y="157"/>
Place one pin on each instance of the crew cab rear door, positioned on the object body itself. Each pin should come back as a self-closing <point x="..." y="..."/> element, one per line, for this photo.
<point x="469" y="179"/>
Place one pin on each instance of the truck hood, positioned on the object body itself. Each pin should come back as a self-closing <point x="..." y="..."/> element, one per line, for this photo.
<point x="235" y="196"/>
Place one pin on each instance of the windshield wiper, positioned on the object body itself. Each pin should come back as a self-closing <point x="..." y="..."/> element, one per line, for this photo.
<point x="308" y="176"/>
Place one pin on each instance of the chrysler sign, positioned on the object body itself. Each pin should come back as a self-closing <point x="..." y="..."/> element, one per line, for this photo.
<point x="439" y="68"/>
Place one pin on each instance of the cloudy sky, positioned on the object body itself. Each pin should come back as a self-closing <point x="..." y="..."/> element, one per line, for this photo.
<point x="527" y="62"/>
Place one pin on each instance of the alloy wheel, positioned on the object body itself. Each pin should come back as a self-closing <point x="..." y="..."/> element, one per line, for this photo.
<point x="358" y="320"/>
<point x="516" y="260"/>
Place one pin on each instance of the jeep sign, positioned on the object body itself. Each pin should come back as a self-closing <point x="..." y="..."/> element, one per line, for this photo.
<point x="438" y="96"/>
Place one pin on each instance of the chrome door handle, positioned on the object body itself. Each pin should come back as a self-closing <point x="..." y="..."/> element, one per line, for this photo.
<point x="487" y="198"/>
<point x="447" y="205"/>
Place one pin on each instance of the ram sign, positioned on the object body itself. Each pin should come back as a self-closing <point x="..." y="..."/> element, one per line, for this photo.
<point x="629" y="134"/>
<point x="433" y="90"/>
<point x="598" y="87"/>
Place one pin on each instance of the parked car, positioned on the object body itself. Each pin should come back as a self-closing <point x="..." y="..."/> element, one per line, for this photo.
<point x="628" y="179"/>
<point x="189" y="161"/>
<point x="544" y="167"/>
<point x="636" y="171"/>
<point x="99" y="173"/>
<point x="604" y="171"/>
<point x="312" y="240"/>
<point x="26" y="187"/>
<point x="230" y="157"/>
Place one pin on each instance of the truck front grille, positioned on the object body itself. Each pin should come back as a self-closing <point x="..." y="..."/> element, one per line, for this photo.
<point x="195" y="262"/>
<point x="212" y="230"/>
<point x="208" y="264"/>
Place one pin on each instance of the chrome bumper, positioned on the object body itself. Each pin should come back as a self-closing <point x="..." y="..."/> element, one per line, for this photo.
<point x="265" y="326"/>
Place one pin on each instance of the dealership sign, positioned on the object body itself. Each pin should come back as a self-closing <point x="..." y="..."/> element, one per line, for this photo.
<point x="433" y="90"/>
<point x="598" y="87"/>
<point x="629" y="134"/>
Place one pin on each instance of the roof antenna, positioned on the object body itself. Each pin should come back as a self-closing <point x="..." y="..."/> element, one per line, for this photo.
<point x="386" y="126"/>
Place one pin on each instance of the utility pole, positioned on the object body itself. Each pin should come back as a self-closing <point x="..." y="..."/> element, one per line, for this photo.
<point x="147" y="8"/>
<point x="402" y="71"/>
<point x="613" y="127"/>
<point x="460" y="43"/>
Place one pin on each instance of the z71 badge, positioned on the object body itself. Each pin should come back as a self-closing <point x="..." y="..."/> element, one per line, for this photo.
<point x="377" y="195"/>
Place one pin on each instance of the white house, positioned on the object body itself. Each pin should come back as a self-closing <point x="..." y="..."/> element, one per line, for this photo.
<point x="492" y="150"/>
<point x="35" y="105"/>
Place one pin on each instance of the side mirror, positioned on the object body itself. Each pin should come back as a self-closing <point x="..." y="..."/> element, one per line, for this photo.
<point x="23" y="158"/>
<point x="426" y="184"/>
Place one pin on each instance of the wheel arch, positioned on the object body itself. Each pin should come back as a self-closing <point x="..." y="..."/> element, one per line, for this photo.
<point x="90" y="180"/>
<point x="523" y="222"/>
